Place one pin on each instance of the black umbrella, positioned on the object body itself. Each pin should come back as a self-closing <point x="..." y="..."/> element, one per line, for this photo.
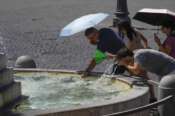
<point x="155" y="16"/>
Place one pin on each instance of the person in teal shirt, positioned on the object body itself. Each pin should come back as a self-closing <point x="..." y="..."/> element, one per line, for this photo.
<point x="108" y="44"/>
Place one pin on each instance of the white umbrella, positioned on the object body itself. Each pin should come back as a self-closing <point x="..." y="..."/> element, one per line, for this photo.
<point x="83" y="23"/>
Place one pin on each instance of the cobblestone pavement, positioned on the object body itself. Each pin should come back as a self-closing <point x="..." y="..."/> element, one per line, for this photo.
<point x="30" y="27"/>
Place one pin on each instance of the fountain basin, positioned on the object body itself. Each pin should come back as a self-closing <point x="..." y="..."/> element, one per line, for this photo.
<point x="128" y="96"/>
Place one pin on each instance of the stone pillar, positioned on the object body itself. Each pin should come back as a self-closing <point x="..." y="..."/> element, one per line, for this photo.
<point x="10" y="90"/>
<point x="166" y="88"/>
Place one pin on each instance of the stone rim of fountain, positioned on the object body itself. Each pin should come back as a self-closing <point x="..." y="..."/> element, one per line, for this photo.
<point x="136" y="92"/>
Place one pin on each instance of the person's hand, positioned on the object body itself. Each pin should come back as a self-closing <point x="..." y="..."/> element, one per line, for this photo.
<point x="110" y="56"/>
<point x="157" y="40"/>
<point x="145" y="45"/>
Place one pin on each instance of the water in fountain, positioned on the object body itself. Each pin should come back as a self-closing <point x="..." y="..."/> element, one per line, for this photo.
<point x="52" y="91"/>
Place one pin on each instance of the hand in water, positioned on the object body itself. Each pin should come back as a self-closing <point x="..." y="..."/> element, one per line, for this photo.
<point x="157" y="40"/>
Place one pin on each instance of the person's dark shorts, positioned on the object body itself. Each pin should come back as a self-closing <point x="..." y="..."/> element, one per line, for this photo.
<point x="117" y="69"/>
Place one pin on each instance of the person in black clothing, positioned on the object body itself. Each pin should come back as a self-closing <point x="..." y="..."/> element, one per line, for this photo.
<point x="107" y="42"/>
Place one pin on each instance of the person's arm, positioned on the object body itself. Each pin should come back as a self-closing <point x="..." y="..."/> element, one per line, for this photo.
<point x="145" y="42"/>
<point x="89" y="68"/>
<point x="166" y="49"/>
<point x="135" y="69"/>
<point x="110" y="56"/>
<point x="98" y="58"/>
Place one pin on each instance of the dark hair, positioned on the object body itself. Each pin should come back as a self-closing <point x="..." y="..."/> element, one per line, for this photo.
<point x="168" y="24"/>
<point x="129" y="29"/>
<point x="90" y="31"/>
<point x="124" y="53"/>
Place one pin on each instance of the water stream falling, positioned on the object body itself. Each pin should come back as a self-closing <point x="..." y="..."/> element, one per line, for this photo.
<point x="110" y="71"/>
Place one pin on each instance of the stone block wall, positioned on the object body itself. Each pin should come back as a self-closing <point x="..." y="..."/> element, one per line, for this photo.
<point x="9" y="89"/>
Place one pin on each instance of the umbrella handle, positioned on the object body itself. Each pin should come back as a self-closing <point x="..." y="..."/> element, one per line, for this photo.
<point x="157" y="30"/>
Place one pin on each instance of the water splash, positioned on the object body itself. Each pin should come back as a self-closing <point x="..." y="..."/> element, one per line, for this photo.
<point x="110" y="71"/>
<point x="106" y="80"/>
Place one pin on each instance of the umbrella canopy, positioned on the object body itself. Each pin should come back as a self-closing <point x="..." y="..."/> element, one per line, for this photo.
<point x="154" y="16"/>
<point x="83" y="23"/>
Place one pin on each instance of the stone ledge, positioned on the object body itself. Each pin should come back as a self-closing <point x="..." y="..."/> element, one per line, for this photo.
<point x="138" y="96"/>
<point x="14" y="103"/>
<point x="10" y="93"/>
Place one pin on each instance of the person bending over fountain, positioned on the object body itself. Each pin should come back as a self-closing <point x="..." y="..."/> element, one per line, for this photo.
<point x="144" y="60"/>
<point x="107" y="42"/>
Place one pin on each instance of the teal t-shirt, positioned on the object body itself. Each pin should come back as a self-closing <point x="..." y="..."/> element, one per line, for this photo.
<point x="99" y="56"/>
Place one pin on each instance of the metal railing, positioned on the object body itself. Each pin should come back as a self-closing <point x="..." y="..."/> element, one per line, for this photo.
<point x="143" y="108"/>
<point x="146" y="107"/>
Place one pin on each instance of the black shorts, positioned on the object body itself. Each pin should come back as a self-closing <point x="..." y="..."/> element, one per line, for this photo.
<point x="117" y="69"/>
